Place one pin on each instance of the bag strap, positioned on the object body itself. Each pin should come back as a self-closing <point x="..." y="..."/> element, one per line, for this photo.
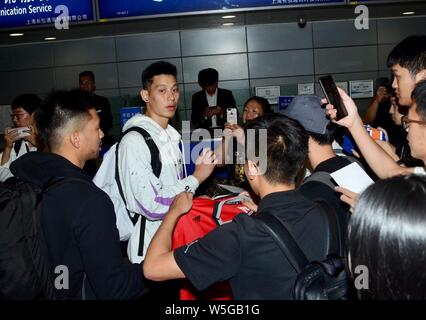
<point x="333" y="223"/>
<point x="156" y="168"/>
<point x="285" y="241"/>
<point x="320" y="176"/>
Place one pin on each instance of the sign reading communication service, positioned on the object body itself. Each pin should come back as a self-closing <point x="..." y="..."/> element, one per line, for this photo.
<point x="27" y="13"/>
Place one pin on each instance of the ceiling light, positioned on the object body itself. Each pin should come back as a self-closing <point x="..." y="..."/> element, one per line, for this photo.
<point x="228" y="17"/>
<point x="49" y="38"/>
<point x="227" y="24"/>
<point x="16" y="34"/>
<point x="408" y="13"/>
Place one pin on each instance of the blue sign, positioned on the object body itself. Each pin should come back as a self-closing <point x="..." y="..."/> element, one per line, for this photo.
<point x="284" y="101"/>
<point x="127" y="113"/>
<point x="109" y="9"/>
<point x="28" y="13"/>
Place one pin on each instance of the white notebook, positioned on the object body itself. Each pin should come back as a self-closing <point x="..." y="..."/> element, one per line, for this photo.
<point x="352" y="177"/>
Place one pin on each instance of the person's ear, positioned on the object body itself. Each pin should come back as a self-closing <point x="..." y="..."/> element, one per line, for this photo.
<point x="75" y="139"/>
<point x="253" y="170"/>
<point x="144" y="95"/>
<point x="421" y="75"/>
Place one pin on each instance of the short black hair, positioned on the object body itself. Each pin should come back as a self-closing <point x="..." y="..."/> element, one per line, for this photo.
<point x="87" y="74"/>
<point x="60" y="108"/>
<point x="208" y="77"/>
<point x="324" y="139"/>
<point x="387" y="234"/>
<point x="286" y="147"/>
<point x="155" y="69"/>
<point x="266" y="107"/>
<point x="410" y="53"/>
<point x="30" y="102"/>
<point x="419" y="97"/>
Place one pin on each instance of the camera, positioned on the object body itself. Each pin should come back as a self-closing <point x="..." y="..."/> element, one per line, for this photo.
<point x="301" y="21"/>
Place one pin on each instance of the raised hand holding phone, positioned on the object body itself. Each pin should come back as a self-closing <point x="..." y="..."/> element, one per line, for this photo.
<point x="352" y="117"/>
<point x="332" y="95"/>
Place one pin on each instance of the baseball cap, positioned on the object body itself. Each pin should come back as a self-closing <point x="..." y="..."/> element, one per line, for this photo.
<point x="308" y="111"/>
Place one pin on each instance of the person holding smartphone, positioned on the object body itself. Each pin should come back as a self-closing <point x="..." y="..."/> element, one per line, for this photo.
<point x="23" y="137"/>
<point x="209" y="105"/>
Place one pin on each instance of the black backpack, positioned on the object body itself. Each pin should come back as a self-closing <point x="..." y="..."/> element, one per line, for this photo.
<point x="25" y="271"/>
<point x="316" y="280"/>
<point x="156" y="168"/>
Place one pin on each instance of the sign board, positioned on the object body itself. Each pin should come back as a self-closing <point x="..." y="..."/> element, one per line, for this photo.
<point x="305" y="88"/>
<point x="361" y="89"/>
<point x="114" y="9"/>
<point x="284" y="101"/>
<point x="29" y="13"/>
<point x="271" y="93"/>
<point x="127" y="113"/>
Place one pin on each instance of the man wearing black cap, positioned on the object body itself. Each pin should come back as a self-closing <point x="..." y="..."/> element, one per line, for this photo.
<point x="322" y="159"/>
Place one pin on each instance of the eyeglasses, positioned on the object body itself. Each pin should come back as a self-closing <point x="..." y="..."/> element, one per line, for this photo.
<point x="406" y="122"/>
<point x="19" y="115"/>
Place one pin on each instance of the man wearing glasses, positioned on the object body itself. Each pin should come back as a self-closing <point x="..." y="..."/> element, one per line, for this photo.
<point x="408" y="63"/>
<point x="23" y="137"/>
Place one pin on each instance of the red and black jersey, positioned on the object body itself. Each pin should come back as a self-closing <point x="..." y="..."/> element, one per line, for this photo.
<point x="205" y="215"/>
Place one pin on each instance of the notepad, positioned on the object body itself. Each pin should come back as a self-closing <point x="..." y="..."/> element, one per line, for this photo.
<point x="352" y="177"/>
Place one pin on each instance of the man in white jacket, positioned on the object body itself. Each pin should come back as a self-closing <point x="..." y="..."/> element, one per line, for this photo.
<point x="144" y="192"/>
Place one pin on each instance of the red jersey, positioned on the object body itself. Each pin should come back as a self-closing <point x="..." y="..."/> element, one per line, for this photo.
<point x="205" y="215"/>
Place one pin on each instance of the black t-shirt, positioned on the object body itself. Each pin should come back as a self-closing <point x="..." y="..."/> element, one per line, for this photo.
<point x="245" y="254"/>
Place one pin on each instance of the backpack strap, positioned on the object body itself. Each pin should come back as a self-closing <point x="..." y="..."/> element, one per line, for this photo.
<point x="334" y="247"/>
<point x="325" y="177"/>
<point x="285" y="241"/>
<point x="320" y="176"/>
<point x="156" y="168"/>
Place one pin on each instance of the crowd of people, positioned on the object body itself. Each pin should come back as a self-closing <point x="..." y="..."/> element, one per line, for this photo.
<point x="142" y="188"/>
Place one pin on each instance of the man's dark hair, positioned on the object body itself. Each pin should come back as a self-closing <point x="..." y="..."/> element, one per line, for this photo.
<point x="266" y="107"/>
<point x="324" y="139"/>
<point x="29" y="102"/>
<point x="410" y="53"/>
<point x="60" y="108"/>
<point x="419" y="97"/>
<point x="287" y="146"/>
<point x="156" y="69"/>
<point x="208" y="77"/>
<point x="87" y="74"/>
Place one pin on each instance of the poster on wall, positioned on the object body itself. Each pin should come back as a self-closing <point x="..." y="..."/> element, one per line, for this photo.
<point x="361" y="89"/>
<point x="305" y="88"/>
<point x="270" y="93"/>
<point x="30" y="13"/>
<point x="113" y="9"/>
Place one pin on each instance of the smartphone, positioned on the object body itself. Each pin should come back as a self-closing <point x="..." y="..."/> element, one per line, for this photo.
<point x="376" y="133"/>
<point x="332" y="95"/>
<point x="21" y="132"/>
<point x="231" y="116"/>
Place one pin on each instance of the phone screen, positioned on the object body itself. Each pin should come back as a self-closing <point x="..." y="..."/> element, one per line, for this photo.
<point x="332" y="95"/>
<point x="231" y="116"/>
